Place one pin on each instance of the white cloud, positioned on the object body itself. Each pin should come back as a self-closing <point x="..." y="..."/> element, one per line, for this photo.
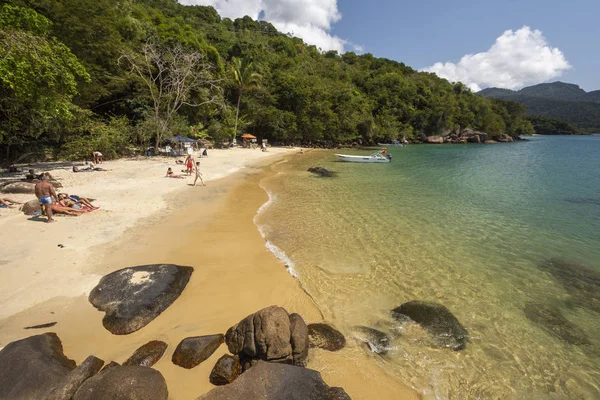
<point x="310" y="20"/>
<point x="518" y="58"/>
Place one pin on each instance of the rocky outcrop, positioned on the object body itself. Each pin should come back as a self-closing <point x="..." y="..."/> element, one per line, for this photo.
<point x="148" y="354"/>
<point x="447" y="331"/>
<point x="133" y="297"/>
<point x="194" y="350"/>
<point x="434" y="139"/>
<point x="110" y="365"/>
<point x="321" y="172"/>
<point x="270" y="334"/>
<point x="226" y="370"/>
<point x="31" y="207"/>
<point x="32" y="368"/>
<point x="554" y="322"/>
<point x="124" y="383"/>
<point x="18" y="188"/>
<point x="326" y="337"/>
<point x="73" y="381"/>
<point x="277" y="381"/>
<point x="503" y="138"/>
<point x="377" y="341"/>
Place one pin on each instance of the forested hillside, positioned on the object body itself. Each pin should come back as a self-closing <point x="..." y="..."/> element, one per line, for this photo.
<point x="116" y="75"/>
<point x="557" y="100"/>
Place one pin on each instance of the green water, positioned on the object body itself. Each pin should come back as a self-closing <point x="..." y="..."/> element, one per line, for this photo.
<point x="466" y="226"/>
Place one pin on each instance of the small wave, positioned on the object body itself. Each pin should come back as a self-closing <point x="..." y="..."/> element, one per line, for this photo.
<point x="281" y="256"/>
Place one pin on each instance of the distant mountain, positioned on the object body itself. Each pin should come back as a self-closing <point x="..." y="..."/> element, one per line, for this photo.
<point x="558" y="100"/>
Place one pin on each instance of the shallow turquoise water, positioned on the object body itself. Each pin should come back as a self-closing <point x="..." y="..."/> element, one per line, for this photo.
<point x="466" y="226"/>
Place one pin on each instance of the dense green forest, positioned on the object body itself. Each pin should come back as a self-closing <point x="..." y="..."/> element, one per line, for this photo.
<point x="121" y="75"/>
<point x="552" y="126"/>
<point x="557" y="100"/>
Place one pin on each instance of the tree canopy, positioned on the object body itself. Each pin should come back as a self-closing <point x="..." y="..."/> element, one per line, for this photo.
<point x="275" y="85"/>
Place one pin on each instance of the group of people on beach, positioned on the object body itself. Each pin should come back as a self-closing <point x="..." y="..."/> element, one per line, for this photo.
<point x="60" y="203"/>
<point x="192" y="168"/>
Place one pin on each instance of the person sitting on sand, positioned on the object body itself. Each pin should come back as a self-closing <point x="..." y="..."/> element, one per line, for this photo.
<point x="170" y="174"/>
<point x="8" y="202"/>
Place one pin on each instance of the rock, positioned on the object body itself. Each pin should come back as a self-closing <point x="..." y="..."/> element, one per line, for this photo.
<point x="554" y="322"/>
<point x="267" y="335"/>
<point x="124" y="383"/>
<point x="31" y="207"/>
<point x="71" y="383"/>
<point x="194" y="350"/>
<point x="321" y="172"/>
<point x="31" y="368"/>
<point x="19" y="188"/>
<point x="42" y="326"/>
<point x="133" y="297"/>
<point x="110" y="365"/>
<point x="581" y="282"/>
<point x="503" y="138"/>
<point x="226" y="370"/>
<point x="474" y="139"/>
<point x="299" y="339"/>
<point x="148" y="354"/>
<point x="326" y="337"/>
<point x="437" y="320"/>
<point x="377" y="341"/>
<point x="434" y="139"/>
<point x="277" y="381"/>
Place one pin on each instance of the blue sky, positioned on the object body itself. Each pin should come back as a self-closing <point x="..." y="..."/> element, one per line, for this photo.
<point x="547" y="40"/>
<point x="421" y="33"/>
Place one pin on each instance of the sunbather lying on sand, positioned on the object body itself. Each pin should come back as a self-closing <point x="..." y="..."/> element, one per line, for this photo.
<point x="89" y="169"/>
<point x="170" y="174"/>
<point x="8" y="202"/>
<point x="69" y="200"/>
<point x="58" y="209"/>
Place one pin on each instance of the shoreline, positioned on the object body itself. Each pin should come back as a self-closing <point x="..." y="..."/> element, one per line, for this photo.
<point x="213" y="230"/>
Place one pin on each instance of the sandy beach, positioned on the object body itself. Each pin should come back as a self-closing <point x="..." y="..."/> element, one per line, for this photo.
<point x="147" y="219"/>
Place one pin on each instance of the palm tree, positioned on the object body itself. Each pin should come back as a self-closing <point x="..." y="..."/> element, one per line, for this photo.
<point x="245" y="77"/>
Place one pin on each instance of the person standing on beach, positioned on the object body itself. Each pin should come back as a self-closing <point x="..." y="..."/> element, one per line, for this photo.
<point x="189" y="163"/>
<point x="46" y="194"/>
<point x="198" y="174"/>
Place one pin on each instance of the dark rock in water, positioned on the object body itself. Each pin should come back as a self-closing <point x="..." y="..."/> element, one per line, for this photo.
<point x="110" y="365"/>
<point x="438" y="320"/>
<point x="133" y="297"/>
<point x="19" y="188"/>
<point x="194" y="350"/>
<point x="226" y="370"/>
<point x="377" y="341"/>
<point x="321" y="172"/>
<point x="299" y="339"/>
<point x="124" y="383"/>
<point x="267" y="335"/>
<point x="277" y="381"/>
<point x="582" y="283"/>
<point x="326" y="337"/>
<point x="72" y="382"/>
<point x="554" y="322"/>
<point x="31" y="368"/>
<point x="31" y="207"/>
<point x="148" y="354"/>
<point x="503" y="138"/>
<point x="42" y="326"/>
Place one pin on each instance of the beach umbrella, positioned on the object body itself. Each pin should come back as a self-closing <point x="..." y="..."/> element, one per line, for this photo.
<point x="248" y="136"/>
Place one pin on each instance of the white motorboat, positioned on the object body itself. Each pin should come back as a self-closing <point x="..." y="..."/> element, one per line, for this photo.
<point x="378" y="157"/>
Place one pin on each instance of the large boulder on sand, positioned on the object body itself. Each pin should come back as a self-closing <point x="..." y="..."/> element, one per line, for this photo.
<point x="326" y="337"/>
<point x="18" y="188"/>
<point x="447" y="331"/>
<point x="226" y="370"/>
<point x="124" y="383"/>
<point x="270" y="334"/>
<point x="554" y="322"/>
<point x="133" y="297"/>
<point x="148" y="354"/>
<point x="194" y="350"/>
<point x="72" y="382"/>
<point x="32" y="368"/>
<point x="266" y="381"/>
<point x="31" y="207"/>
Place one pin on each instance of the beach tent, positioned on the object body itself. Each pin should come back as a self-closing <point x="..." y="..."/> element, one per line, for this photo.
<point x="181" y="139"/>
<point x="183" y="143"/>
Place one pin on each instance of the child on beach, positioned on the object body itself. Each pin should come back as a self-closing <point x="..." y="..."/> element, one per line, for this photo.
<point x="198" y="174"/>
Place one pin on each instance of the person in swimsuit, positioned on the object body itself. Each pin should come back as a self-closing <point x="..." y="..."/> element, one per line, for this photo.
<point x="170" y="174"/>
<point x="97" y="157"/>
<point x="8" y="202"/>
<point x="47" y="195"/>
<point x="198" y="174"/>
<point x="189" y="163"/>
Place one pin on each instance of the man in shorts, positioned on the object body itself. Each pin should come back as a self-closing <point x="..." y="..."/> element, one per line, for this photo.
<point x="46" y="194"/>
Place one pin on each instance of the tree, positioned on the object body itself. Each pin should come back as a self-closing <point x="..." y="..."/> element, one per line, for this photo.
<point x="175" y="77"/>
<point x="244" y="78"/>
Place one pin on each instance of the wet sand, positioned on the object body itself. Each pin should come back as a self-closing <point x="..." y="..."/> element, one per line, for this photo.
<point x="211" y="229"/>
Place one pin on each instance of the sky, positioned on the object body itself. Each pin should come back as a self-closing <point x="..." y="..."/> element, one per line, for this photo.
<point x="482" y="43"/>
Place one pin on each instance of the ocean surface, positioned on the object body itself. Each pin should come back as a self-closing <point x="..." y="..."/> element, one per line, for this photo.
<point x="506" y="236"/>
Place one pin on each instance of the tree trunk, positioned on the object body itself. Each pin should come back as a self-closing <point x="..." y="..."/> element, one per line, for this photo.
<point x="237" y="114"/>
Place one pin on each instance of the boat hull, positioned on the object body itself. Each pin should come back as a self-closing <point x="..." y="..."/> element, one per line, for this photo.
<point x="361" y="159"/>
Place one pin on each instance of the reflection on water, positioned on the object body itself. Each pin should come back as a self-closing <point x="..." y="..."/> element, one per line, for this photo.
<point x="478" y="229"/>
